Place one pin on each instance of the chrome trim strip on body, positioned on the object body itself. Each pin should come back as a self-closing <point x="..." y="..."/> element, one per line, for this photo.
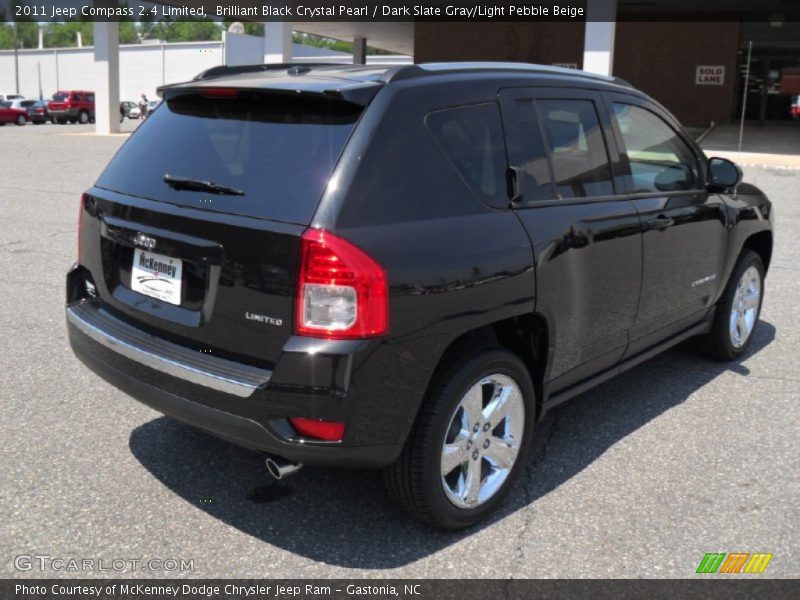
<point x="209" y="371"/>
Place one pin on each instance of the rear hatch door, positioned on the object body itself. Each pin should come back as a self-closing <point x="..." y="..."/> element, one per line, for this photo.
<point x="193" y="230"/>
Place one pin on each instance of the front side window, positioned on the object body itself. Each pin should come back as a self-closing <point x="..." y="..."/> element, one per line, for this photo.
<point x="77" y="98"/>
<point x="472" y="138"/>
<point x="660" y="161"/>
<point x="577" y="148"/>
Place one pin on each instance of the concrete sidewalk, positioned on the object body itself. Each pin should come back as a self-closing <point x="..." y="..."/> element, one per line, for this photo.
<point x="770" y="145"/>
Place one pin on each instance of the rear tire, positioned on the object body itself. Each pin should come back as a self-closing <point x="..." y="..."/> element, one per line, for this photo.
<point x="486" y="457"/>
<point x="738" y="310"/>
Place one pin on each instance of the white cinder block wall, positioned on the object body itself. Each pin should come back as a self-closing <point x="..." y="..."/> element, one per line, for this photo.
<point x="144" y="67"/>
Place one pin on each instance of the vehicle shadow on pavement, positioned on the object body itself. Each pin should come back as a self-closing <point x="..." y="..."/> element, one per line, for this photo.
<point x="344" y="518"/>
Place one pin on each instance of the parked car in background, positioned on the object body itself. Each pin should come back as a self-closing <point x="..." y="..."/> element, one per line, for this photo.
<point x="22" y="104"/>
<point x="5" y="97"/>
<point x="151" y="106"/>
<point x="75" y="106"/>
<point x="500" y="238"/>
<point x="135" y="113"/>
<point x="36" y="109"/>
<point x="125" y="108"/>
<point x="795" y="108"/>
<point x="9" y="114"/>
<point x="37" y="112"/>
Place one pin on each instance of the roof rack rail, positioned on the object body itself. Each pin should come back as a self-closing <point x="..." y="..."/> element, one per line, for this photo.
<point x="224" y="70"/>
<point x="430" y="69"/>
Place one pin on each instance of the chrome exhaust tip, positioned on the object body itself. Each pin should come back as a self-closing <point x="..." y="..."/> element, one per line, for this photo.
<point x="280" y="468"/>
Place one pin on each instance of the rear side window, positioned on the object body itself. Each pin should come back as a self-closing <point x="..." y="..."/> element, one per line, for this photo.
<point x="278" y="149"/>
<point x="577" y="148"/>
<point x="472" y="138"/>
<point x="660" y="161"/>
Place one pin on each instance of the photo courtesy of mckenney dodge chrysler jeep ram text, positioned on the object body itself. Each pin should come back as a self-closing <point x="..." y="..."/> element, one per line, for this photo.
<point x="406" y="267"/>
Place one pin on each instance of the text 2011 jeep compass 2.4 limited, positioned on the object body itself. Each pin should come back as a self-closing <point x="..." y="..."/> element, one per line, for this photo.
<point x="405" y="267"/>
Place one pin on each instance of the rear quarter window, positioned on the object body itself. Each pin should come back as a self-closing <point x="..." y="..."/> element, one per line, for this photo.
<point x="279" y="149"/>
<point x="472" y="139"/>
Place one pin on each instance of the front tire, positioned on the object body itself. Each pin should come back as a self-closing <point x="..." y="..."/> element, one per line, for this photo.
<point x="470" y="441"/>
<point x="738" y="310"/>
<point x="21" y="120"/>
<point x="83" y="117"/>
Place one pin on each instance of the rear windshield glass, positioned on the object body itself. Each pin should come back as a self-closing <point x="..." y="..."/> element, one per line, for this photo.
<point x="277" y="149"/>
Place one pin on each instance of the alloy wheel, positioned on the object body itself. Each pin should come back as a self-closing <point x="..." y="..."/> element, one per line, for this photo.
<point x="482" y="441"/>
<point x="744" y="309"/>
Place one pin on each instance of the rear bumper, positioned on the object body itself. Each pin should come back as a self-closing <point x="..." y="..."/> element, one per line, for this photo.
<point x="238" y="407"/>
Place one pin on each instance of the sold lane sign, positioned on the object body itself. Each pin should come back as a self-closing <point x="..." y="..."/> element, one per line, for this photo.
<point x="709" y="75"/>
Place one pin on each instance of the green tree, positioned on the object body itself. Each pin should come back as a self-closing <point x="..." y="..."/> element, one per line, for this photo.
<point x="64" y="35"/>
<point x="250" y="28"/>
<point x="6" y="36"/>
<point x="188" y="31"/>
<point x="128" y="33"/>
<point x="27" y="29"/>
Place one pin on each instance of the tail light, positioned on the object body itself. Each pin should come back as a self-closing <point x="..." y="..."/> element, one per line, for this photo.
<point x="341" y="292"/>
<point x="329" y="431"/>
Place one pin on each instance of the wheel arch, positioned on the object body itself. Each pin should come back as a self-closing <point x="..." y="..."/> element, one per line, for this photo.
<point x="761" y="244"/>
<point x="525" y="335"/>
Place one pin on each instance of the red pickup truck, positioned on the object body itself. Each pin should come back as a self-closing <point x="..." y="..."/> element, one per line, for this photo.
<point x="75" y="106"/>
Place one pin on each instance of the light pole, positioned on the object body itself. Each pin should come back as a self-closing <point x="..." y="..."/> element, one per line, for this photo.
<point x="16" y="57"/>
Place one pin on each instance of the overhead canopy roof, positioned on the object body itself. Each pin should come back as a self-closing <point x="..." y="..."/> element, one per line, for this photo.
<point x="394" y="37"/>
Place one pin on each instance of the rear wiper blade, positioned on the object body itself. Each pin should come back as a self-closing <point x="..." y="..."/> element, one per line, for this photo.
<point x="183" y="183"/>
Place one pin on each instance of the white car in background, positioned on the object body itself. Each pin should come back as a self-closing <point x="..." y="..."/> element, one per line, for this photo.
<point x="151" y="106"/>
<point x="8" y="97"/>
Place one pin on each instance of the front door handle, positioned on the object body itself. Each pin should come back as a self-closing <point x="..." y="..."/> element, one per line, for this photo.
<point x="660" y="223"/>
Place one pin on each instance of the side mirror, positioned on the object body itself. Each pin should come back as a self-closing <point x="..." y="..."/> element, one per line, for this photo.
<point x="723" y="173"/>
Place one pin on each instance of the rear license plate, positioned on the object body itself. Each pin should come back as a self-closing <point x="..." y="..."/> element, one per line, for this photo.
<point x="157" y="276"/>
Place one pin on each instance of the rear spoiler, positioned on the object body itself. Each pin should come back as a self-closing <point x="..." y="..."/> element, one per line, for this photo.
<point x="283" y="77"/>
<point x="224" y="70"/>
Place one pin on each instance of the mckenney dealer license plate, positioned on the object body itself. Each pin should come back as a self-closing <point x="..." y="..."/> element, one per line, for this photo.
<point x="157" y="276"/>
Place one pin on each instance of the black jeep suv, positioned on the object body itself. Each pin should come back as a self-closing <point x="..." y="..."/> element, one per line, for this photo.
<point x="406" y="267"/>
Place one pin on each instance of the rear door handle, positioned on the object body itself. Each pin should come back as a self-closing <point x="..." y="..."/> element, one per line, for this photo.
<point x="660" y="222"/>
<point x="516" y="184"/>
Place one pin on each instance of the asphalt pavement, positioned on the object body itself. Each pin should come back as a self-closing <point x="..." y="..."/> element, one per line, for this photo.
<point x="639" y="477"/>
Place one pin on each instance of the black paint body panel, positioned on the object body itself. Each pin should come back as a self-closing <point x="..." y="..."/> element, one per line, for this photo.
<point x="606" y="285"/>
